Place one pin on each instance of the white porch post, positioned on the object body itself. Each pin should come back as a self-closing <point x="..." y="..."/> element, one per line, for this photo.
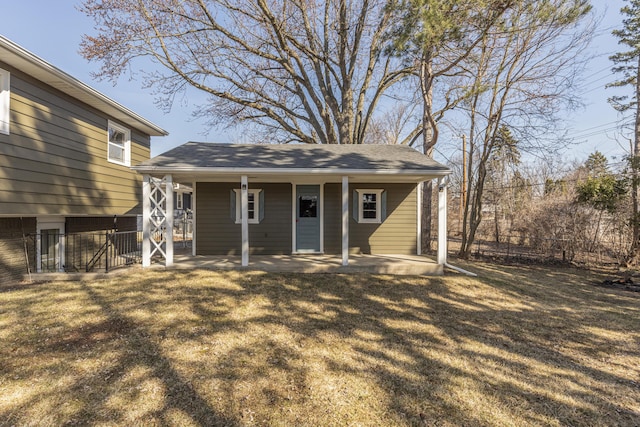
<point x="442" y="221"/>
<point x="168" y="183"/>
<point x="345" y="220"/>
<point x="146" y="221"/>
<point x="193" y="218"/>
<point x="419" y="218"/>
<point x="244" y="216"/>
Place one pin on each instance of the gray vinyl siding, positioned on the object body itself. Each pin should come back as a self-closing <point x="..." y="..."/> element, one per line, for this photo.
<point x="218" y="234"/>
<point x="55" y="159"/>
<point x="396" y="235"/>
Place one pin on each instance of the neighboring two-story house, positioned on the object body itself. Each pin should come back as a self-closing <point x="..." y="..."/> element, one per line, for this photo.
<point x="65" y="156"/>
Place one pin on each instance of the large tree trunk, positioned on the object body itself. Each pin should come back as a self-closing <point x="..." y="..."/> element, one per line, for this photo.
<point x="429" y="138"/>
<point x="476" y="211"/>
<point x="634" y="253"/>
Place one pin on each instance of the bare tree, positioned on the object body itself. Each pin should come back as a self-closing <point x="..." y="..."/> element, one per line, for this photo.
<point x="303" y="70"/>
<point x="436" y="35"/>
<point x="396" y="125"/>
<point x="520" y="75"/>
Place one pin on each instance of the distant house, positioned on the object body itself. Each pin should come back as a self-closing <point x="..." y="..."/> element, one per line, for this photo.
<point x="295" y="199"/>
<point x="65" y="156"/>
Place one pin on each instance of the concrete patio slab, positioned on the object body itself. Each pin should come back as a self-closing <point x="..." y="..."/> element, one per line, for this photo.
<point x="374" y="264"/>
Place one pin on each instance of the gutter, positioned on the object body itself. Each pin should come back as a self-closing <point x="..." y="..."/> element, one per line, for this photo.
<point x="283" y="170"/>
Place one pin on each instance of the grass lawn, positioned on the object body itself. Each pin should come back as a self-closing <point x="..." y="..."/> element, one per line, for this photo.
<point x="516" y="346"/>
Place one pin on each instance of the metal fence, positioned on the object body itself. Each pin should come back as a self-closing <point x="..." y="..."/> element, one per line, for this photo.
<point x="85" y="252"/>
<point x="511" y="249"/>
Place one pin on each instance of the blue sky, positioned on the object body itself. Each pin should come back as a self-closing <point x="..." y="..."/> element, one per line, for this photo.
<point x="53" y="30"/>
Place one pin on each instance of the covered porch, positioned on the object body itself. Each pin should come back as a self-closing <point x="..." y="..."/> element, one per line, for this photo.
<point x="329" y="209"/>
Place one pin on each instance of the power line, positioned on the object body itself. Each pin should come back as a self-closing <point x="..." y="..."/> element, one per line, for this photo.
<point x="599" y="126"/>
<point x="595" y="130"/>
<point x="534" y="184"/>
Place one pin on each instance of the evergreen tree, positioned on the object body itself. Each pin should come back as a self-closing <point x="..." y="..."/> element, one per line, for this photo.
<point x="601" y="189"/>
<point x="627" y="64"/>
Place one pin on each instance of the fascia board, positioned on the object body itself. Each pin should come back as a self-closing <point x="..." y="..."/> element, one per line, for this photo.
<point x="288" y="171"/>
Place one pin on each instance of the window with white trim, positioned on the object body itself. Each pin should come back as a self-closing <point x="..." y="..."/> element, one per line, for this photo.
<point x="255" y="203"/>
<point x="119" y="144"/>
<point x="179" y="200"/>
<point x="369" y="205"/>
<point x="5" y="98"/>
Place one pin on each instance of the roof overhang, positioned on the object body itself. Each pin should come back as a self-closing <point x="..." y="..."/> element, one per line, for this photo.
<point x="188" y="175"/>
<point x="22" y="59"/>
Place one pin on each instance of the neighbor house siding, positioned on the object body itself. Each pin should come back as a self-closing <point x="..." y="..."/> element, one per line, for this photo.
<point x="217" y="232"/>
<point x="396" y="235"/>
<point x="55" y="159"/>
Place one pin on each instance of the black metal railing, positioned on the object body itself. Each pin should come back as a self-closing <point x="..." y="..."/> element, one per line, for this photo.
<point x="86" y="252"/>
<point x="102" y="251"/>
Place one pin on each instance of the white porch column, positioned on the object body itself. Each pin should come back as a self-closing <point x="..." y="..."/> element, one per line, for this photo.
<point x="442" y="221"/>
<point x="146" y="221"/>
<point x="345" y="220"/>
<point x="168" y="185"/>
<point x="419" y="218"/>
<point x="193" y="218"/>
<point x="244" y="216"/>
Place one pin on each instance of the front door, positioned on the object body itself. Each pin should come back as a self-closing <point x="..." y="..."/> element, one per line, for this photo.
<point x="308" y="218"/>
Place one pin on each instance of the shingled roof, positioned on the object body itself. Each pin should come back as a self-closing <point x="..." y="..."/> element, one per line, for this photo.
<point x="292" y="158"/>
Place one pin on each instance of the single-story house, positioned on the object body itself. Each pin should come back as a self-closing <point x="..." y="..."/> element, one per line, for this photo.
<point x="292" y="199"/>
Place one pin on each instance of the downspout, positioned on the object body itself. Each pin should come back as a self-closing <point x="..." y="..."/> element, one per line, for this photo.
<point x="460" y="270"/>
<point x="442" y="228"/>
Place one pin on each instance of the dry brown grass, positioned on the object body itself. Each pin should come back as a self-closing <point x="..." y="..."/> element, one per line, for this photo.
<point x="517" y="346"/>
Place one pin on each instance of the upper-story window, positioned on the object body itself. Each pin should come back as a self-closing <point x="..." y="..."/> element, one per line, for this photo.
<point x="119" y="145"/>
<point x="5" y="97"/>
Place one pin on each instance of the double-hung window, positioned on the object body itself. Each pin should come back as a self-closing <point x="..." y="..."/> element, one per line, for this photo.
<point x="369" y="205"/>
<point x="179" y="200"/>
<point x="119" y="144"/>
<point x="5" y="97"/>
<point x="255" y="205"/>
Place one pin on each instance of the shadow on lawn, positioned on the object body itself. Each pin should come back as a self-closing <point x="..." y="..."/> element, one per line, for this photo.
<point x="520" y="359"/>
<point x="142" y="349"/>
<point x="114" y="345"/>
<point x="239" y="348"/>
